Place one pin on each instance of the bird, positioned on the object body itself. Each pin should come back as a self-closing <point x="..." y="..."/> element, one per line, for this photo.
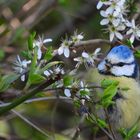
<point x="119" y="64"/>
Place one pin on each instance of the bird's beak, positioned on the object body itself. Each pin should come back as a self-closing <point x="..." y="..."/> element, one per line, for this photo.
<point x="108" y="67"/>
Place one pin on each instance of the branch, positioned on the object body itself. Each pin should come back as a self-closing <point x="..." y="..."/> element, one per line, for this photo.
<point x="40" y="99"/>
<point x="41" y="11"/>
<point x="104" y="130"/>
<point x="91" y="44"/>
<point x="109" y="124"/>
<point x="31" y="124"/>
<point x="14" y="112"/>
<point x="30" y="94"/>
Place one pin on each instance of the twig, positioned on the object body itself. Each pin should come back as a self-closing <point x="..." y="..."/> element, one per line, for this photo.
<point x="42" y="10"/>
<point x="109" y="124"/>
<point x="89" y="43"/>
<point x="106" y="132"/>
<point x="30" y="94"/>
<point x="40" y="99"/>
<point x="78" y="127"/>
<point x="51" y="98"/>
<point x="14" y="112"/>
<point x="31" y="124"/>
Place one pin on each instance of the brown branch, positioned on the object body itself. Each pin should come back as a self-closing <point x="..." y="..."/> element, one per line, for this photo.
<point x="29" y="94"/>
<point x="42" y="10"/>
<point x="104" y="130"/>
<point x="109" y="124"/>
<point x="89" y="45"/>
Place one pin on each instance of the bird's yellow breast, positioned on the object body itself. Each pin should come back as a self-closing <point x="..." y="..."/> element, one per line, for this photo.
<point x="129" y="106"/>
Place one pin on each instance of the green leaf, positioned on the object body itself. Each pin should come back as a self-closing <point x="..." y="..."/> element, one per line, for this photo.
<point x="102" y="123"/>
<point x="33" y="68"/>
<point x="2" y="54"/>
<point x="67" y="80"/>
<point x="108" y="94"/>
<point x="49" y="54"/>
<point x="36" y="78"/>
<point x="127" y="134"/>
<point x="26" y="54"/>
<point x="132" y="131"/>
<point x="107" y="82"/>
<point x="7" y="80"/>
<point x="128" y="43"/>
<point x="30" y="41"/>
<point x="123" y="132"/>
<point x="137" y="53"/>
<point x="62" y="2"/>
<point x="77" y="103"/>
<point x="84" y="92"/>
<point x="33" y="63"/>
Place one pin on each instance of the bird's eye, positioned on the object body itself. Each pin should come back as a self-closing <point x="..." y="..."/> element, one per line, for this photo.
<point x="106" y="61"/>
<point x="120" y="64"/>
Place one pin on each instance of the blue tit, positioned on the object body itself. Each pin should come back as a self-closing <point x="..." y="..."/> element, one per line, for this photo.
<point x="120" y="65"/>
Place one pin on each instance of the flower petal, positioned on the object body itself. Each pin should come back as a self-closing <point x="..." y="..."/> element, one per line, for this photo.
<point x="67" y="92"/>
<point x="97" y="51"/>
<point x="80" y="37"/>
<point x="66" y="52"/>
<point x="47" y="73"/>
<point x="22" y="78"/>
<point x="103" y="13"/>
<point x="85" y="55"/>
<point x="111" y="36"/>
<point x="47" y="40"/>
<point x="138" y="135"/>
<point x="118" y="35"/>
<point x="129" y="31"/>
<point x="60" y="50"/>
<point x="99" y="5"/>
<point x="109" y="10"/>
<point x="39" y="53"/>
<point x="104" y="21"/>
<point x="116" y="22"/>
<point x="132" y="38"/>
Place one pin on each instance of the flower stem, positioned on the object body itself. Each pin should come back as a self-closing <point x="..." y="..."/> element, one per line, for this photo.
<point x="28" y="95"/>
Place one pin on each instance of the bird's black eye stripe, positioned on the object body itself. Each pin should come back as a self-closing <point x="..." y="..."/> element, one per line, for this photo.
<point x="120" y="64"/>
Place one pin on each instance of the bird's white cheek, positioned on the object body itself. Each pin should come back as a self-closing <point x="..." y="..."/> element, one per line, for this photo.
<point x="127" y="70"/>
<point x="101" y="66"/>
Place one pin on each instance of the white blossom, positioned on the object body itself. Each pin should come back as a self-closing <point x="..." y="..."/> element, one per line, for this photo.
<point x="134" y="31"/>
<point x="58" y="70"/>
<point x="21" y="67"/>
<point x="109" y="18"/>
<point x="114" y="32"/>
<point x="138" y="135"/>
<point x="76" y="38"/>
<point x="39" y="43"/>
<point x="114" y="17"/>
<point x="115" y="6"/>
<point x="83" y="87"/>
<point x="87" y="58"/>
<point x="48" y="72"/>
<point x="64" y="48"/>
<point x="103" y="2"/>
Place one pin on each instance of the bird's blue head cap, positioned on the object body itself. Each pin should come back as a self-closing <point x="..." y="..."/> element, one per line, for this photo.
<point x="119" y="61"/>
<point x="123" y="52"/>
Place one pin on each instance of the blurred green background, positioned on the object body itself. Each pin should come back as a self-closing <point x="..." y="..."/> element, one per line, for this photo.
<point x="52" y="19"/>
